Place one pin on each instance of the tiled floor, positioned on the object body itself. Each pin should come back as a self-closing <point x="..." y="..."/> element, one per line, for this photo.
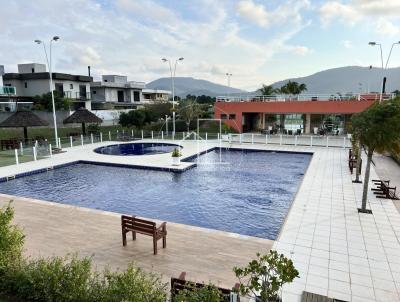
<point x="339" y="252"/>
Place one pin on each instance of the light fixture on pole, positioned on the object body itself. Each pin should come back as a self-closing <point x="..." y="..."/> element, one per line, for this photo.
<point x="49" y="67"/>
<point x="173" y="90"/>
<point x="228" y="75"/>
<point x="380" y="47"/>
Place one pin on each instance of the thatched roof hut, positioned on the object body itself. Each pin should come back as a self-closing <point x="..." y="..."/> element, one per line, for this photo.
<point x="23" y="119"/>
<point x="83" y="116"/>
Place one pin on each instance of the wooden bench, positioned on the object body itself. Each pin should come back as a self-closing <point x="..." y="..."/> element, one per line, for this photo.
<point x="180" y="283"/>
<point x="383" y="190"/>
<point x="145" y="227"/>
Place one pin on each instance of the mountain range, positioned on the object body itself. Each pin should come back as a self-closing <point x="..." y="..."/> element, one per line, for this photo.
<point x="349" y="79"/>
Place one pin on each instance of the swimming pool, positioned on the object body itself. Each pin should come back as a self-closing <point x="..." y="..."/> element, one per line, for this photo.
<point x="136" y="149"/>
<point x="235" y="191"/>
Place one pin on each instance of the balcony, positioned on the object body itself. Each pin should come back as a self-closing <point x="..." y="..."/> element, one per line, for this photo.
<point x="7" y="90"/>
<point x="77" y="95"/>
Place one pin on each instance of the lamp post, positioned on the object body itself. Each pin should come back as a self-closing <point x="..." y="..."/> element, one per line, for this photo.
<point x="49" y="62"/>
<point x="386" y="65"/>
<point x="228" y="75"/>
<point x="173" y="90"/>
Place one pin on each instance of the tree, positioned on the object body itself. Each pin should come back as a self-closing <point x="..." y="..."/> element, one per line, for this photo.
<point x="267" y="90"/>
<point x="293" y="88"/>
<point x="188" y="110"/>
<point x="396" y="92"/>
<point x="377" y="129"/>
<point x="158" y="110"/>
<point x="44" y="102"/>
<point x="135" y="118"/>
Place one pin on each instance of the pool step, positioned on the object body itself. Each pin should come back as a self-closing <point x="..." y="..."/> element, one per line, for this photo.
<point x="11" y="177"/>
<point x="50" y="168"/>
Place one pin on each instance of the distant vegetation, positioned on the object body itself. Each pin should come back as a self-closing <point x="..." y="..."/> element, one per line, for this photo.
<point x="292" y="88"/>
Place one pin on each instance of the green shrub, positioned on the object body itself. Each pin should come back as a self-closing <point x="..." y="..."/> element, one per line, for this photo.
<point x="191" y="293"/>
<point x="11" y="240"/>
<point x="93" y="129"/>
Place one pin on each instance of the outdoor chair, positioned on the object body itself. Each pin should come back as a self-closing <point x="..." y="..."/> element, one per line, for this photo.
<point x="145" y="227"/>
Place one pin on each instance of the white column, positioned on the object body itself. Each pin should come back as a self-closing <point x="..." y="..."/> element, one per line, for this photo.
<point x="70" y="141"/>
<point x="34" y="153"/>
<point x="50" y="151"/>
<point x="16" y="157"/>
<point x="91" y="138"/>
<point x="82" y="139"/>
<point x="308" y="123"/>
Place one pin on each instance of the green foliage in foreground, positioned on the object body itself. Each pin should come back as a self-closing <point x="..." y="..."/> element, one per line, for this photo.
<point x="67" y="278"/>
<point x="264" y="277"/>
<point x="191" y="293"/>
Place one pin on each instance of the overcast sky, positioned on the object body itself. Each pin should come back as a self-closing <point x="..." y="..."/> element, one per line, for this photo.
<point x="257" y="41"/>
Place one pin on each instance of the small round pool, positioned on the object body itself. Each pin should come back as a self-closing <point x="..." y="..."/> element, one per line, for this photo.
<point x="137" y="149"/>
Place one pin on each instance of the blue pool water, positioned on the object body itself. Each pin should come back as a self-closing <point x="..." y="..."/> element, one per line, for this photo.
<point x="235" y="191"/>
<point x="136" y="149"/>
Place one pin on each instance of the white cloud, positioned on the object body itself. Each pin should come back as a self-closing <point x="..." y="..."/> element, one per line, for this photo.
<point x="347" y="44"/>
<point x="253" y="12"/>
<point x="385" y="27"/>
<point x="355" y="11"/>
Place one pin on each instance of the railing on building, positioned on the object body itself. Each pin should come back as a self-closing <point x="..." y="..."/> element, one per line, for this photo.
<point x="7" y="90"/>
<point x="305" y="97"/>
<point x="77" y="95"/>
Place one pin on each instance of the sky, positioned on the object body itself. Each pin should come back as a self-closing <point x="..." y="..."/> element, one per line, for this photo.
<point x="258" y="42"/>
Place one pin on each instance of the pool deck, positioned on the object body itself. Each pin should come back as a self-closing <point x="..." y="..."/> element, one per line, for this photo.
<point x="338" y="252"/>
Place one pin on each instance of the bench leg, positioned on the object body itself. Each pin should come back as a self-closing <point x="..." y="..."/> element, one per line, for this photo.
<point x="123" y="237"/>
<point x="155" y="245"/>
<point x="164" y="242"/>
<point x="133" y="235"/>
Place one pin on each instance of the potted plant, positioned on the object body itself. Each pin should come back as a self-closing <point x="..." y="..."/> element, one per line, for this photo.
<point x="264" y="277"/>
<point x="176" y="157"/>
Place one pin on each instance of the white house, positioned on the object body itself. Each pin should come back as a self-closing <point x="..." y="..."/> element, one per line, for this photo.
<point x="156" y="95"/>
<point x="32" y="79"/>
<point x="116" y="92"/>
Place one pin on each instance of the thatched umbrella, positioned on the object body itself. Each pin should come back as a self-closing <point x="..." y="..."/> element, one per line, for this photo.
<point x="83" y="116"/>
<point x="23" y="119"/>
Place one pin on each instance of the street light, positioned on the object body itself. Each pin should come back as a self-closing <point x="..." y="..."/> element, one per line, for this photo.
<point x="386" y="65"/>
<point x="229" y="83"/>
<point x="49" y="67"/>
<point x="173" y="90"/>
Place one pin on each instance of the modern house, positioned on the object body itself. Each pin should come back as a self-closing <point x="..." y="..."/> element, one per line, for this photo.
<point x="8" y="97"/>
<point x="289" y="115"/>
<point x="116" y="92"/>
<point x="32" y="79"/>
<point x="155" y="95"/>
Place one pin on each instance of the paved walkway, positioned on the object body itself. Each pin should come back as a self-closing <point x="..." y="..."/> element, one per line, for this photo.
<point x="387" y="168"/>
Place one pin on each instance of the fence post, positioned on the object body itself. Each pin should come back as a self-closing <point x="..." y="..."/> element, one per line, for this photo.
<point x="295" y="140"/>
<point x="206" y="136"/>
<point x="36" y="143"/>
<point x="59" y="142"/>
<point x="82" y="139"/>
<point x="252" y="138"/>
<point x="240" y="138"/>
<point x="132" y="133"/>
<point x="21" y="148"/>
<point x="162" y="135"/>
<point x="16" y="156"/>
<point x="311" y="140"/>
<point x="34" y="153"/>
<point x="109" y="135"/>
<point x="91" y="138"/>
<point x="101" y="137"/>
<point x="218" y="136"/>
<point x="123" y="132"/>
<point x="70" y="141"/>
<point x="280" y="140"/>
<point x="152" y="135"/>
<point x="327" y="141"/>
<point x="50" y="151"/>
<point x="266" y="139"/>
<point x="344" y="142"/>
<point x="142" y="134"/>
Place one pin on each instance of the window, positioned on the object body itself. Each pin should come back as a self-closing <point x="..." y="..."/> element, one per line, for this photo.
<point x="232" y="116"/>
<point x="33" y="70"/>
<point x="223" y="116"/>
<point x="26" y="84"/>
<point x="71" y="86"/>
<point x="94" y="91"/>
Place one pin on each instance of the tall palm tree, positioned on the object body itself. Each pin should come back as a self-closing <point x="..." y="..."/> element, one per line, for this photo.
<point x="378" y="129"/>
<point x="293" y="88"/>
<point x="267" y="90"/>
